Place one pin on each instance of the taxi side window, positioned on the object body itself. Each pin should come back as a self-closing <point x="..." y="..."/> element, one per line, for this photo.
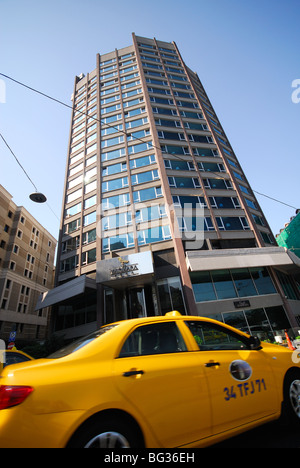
<point x="15" y="358"/>
<point x="158" y="338"/>
<point x="211" y="337"/>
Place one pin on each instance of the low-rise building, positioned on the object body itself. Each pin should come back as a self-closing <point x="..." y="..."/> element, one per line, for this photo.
<point x="27" y="252"/>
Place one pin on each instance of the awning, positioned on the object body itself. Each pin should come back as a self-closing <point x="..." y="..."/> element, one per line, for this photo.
<point x="277" y="257"/>
<point x="65" y="291"/>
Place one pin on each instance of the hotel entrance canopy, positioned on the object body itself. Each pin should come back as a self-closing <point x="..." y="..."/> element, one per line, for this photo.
<point x="65" y="291"/>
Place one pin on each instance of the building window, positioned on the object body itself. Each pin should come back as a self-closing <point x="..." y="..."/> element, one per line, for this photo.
<point x="266" y="237"/>
<point x="139" y="148"/>
<point x="88" y="257"/>
<point x="150" y="213"/>
<point x="89" y="218"/>
<point x="72" y="226"/>
<point x="263" y="322"/>
<point x="232" y="223"/>
<point x="115" y="184"/>
<point x="289" y="288"/>
<point x="226" y="284"/>
<point x="116" y="221"/>
<point x="143" y="177"/>
<point x="116" y="201"/>
<point x="157" y="234"/>
<point x="123" y="241"/>
<point x="76" y="311"/>
<point x="141" y="162"/>
<point x="147" y="194"/>
<point x="69" y="264"/>
<point x="114" y="169"/>
<point x="113" y="154"/>
<point x="184" y="182"/>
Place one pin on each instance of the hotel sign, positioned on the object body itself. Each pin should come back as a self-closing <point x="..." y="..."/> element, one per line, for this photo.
<point x="241" y="304"/>
<point x="124" y="267"/>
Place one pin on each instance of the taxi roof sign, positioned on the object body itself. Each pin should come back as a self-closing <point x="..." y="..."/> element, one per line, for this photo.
<point x="174" y="313"/>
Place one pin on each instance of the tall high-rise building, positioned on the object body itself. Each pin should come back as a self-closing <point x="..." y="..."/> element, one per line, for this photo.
<point x="157" y="212"/>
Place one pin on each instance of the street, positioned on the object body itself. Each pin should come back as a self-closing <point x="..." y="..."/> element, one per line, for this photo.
<point x="274" y="435"/>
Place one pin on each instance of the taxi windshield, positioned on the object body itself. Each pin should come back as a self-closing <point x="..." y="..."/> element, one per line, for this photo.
<point x="78" y="344"/>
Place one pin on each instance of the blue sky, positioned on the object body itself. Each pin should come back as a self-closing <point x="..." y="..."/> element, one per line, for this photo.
<point x="246" y="54"/>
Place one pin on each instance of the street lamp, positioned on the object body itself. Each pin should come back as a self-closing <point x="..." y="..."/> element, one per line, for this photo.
<point x="38" y="197"/>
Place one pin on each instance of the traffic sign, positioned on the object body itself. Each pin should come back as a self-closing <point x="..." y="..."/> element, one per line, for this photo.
<point x="12" y="336"/>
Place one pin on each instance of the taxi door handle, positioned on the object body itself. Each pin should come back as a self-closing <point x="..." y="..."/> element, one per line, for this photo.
<point x="212" y="364"/>
<point x="133" y="372"/>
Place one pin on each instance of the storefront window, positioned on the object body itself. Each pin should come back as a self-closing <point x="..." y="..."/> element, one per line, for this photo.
<point x="262" y="281"/>
<point x="259" y="324"/>
<point x="236" y="320"/>
<point x="223" y="284"/>
<point x="288" y="287"/>
<point x="76" y="311"/>
<point x="243" y="282"/>
<point x="262" y="322"/>
<point x="202" y="286"/>
<point x="226" y="284"/>
<point x="277" y="318"/>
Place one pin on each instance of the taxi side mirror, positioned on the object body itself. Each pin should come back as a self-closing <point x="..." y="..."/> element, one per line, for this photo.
<point x="255" y="343"/>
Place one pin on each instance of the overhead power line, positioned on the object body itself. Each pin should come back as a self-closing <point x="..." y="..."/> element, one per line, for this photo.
<point x="275" y="199"/>
<point x="18" y="162"/>
<point x="26" y="174"/>
<point x="124" y="132"/>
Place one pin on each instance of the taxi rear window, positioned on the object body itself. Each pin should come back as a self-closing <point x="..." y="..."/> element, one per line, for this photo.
<point x="78" y="344"/>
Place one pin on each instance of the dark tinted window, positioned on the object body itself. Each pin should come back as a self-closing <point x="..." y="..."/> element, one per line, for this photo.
<point x="211" y="337"/>
<point x="158" y="338"/>
<point x="14" y="358"/>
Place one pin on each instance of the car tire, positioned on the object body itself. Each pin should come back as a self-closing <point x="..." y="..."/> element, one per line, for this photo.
<point x="291" y="403"/>
<point x="109" y="433"/>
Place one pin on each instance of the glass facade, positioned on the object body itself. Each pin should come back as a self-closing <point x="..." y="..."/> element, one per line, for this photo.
<point x="265" y="322"/>
<point x="75" y="312"/>
<point x="225" y="284"/>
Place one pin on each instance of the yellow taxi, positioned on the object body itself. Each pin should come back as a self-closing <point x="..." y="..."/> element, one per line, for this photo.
<point x="13" y="356"/>
<point x="172" y="381"/>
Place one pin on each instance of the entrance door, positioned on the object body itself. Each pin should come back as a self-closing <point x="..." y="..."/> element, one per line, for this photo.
<point x="136" y="303"/>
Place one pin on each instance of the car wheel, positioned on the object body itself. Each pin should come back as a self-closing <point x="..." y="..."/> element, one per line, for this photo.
<point x="292" y="398"/>
<point x="110" y="439"/>
<point x="108" y="433"/>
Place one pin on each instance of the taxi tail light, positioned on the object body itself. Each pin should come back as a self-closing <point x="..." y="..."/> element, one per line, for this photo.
<point x="13" y="395"/>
